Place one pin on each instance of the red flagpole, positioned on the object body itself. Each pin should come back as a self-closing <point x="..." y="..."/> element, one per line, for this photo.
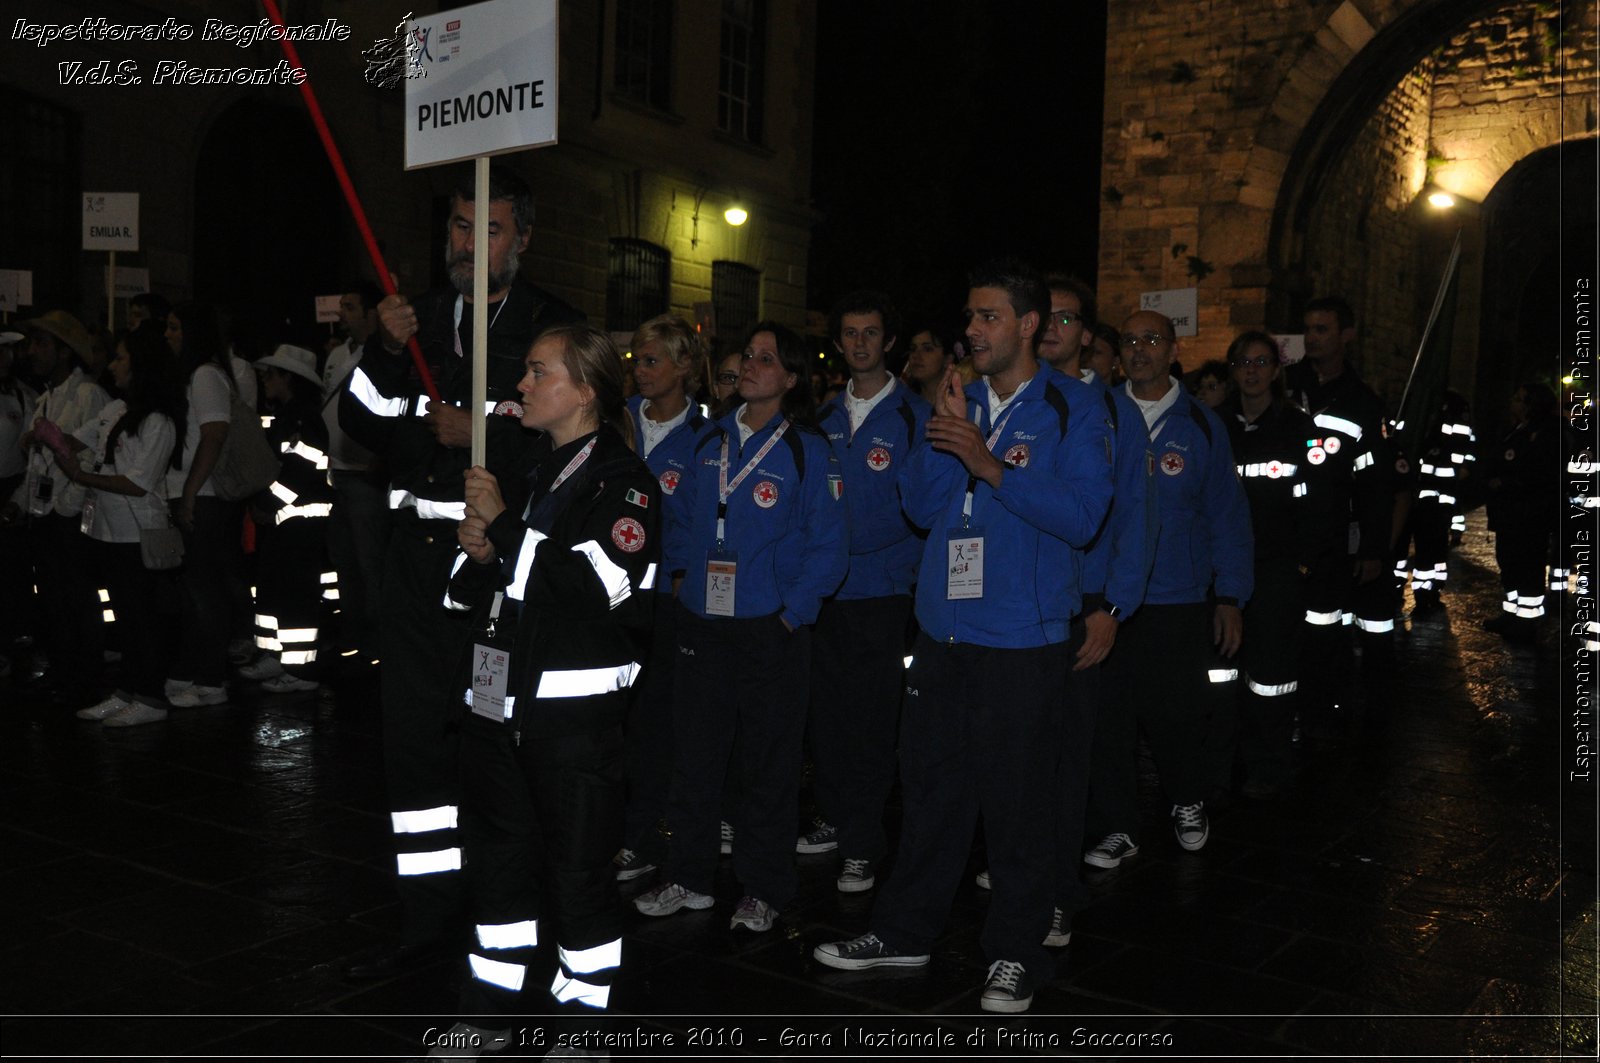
<point x="350" y="196"/>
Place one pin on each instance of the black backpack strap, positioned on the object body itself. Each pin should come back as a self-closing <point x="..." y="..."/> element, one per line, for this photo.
<point x="1200" y="419"/>
<point x="1058" y="403"/>
<point x="910" y="419"/>
<point x="1111" y="409"/>
<point x="797" y="447"/>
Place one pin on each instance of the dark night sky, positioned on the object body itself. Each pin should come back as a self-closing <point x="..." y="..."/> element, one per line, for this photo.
<point x="948" y="133"/>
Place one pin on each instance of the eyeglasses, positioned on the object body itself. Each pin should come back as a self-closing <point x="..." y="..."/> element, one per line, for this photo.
<point x="1064" y="318"/>
<point x="1149" y="339"/>
<point x="727" y="378"/>
<point x="1260" y="361"/>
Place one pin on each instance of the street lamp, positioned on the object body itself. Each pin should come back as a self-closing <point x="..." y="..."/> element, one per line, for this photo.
<point x="736" y="215"/>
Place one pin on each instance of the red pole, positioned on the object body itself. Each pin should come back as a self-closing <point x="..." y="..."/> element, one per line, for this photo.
<point x="350" y="196"/>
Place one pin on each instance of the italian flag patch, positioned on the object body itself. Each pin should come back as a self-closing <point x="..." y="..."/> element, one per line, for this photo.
<point x="639" y="498"/>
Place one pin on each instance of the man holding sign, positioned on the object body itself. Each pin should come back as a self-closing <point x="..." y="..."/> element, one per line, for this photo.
<point x="1012" y="481"/>
<point x="425" y="445"/>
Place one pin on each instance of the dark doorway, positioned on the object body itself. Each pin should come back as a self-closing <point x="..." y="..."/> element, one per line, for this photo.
<point x="270" y="225"/>
<point x="1539" y="233"/>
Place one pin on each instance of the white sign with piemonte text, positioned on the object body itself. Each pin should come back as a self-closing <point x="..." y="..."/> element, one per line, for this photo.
<point x="481" y="80"/>
<point x="1179" y="304"/>
<point x="111" y="221"/>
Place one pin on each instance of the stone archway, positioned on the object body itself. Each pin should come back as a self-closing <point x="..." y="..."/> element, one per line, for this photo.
<point x="1227" y="127"/>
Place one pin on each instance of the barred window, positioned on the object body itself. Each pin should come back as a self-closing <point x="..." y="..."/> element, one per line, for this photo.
<point x="638" y="283"/>
<point x="736" y="297"/>
<point x="644" y="51"/>
<point x="741" y="97"/>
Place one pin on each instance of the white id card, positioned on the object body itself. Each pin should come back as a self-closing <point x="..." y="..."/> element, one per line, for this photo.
<point x="86" y="525"/>
<point x="722" y="568"/>
<point x="489" y="676"/>
<point x="964" y="575"/>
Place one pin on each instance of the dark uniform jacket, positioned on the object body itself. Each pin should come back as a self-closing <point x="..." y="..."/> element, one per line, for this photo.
<point x="384" y="399"/>
<point x="577" y="566"/>
<point x="1289" y="501"/>
<point x="1350" y="442"/>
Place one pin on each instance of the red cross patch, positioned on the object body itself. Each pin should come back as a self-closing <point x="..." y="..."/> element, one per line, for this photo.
<point x="765" y="493"/>
<point x="628" y="534"/>
<point x="877" y="459"/>
<point x="1331" y="444"/>
<point x="1402" y="466"/>
<point x="1017" y="456"/>
<point x="1172" y="463"/>
<point x="1274" y="470"/>
<point x="1316" y="455"/>
<point x="508" y="408"/>
<point x="669" y="480"/>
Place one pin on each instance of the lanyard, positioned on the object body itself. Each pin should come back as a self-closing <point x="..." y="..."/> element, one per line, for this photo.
<point x="573" y="465"/>
<point x="460" y="299"/>
<point x="724" y="488"/>
<point x="972" y="481"/>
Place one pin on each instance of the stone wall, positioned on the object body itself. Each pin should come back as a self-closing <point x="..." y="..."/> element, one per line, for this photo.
<point x="1228" y="165"/>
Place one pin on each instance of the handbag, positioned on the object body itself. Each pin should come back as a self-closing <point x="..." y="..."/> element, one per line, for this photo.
<point x="246" y="464"/>
<point x="159" y="548"/>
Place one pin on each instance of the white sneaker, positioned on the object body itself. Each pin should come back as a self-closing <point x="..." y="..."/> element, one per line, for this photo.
<point x="136" y="713"/>
<point x="109" y="707"/>
<point x="983" y="880"/>
<point x="174" y="685"/>
<point x="284" y="683"/>
<point x="264" y="667"/>
<point x="665" y="900"/>
<point x="1060" y="933"/>
<point x="194" y="695"/>
<point x="754" y="914"/>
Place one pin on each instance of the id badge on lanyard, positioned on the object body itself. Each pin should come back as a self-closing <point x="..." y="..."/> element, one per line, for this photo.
<point x="722" y="564"/>
<point x="964" y="548"/>
<point x="489" y="690"/>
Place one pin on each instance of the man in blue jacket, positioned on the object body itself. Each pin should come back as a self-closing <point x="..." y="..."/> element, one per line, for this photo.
<point x="1169" y="676"/>
<point x="857" y="667"/>
<point x="1019" y="469"/>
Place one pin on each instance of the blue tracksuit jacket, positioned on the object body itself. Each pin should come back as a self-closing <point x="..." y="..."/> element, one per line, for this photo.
<point x="1206" y="541"/>
<point x="787" y="524"/>
<point x="1116" y="567"/>
<point x="1052" y="499"/>
<point x="884" y="547"/>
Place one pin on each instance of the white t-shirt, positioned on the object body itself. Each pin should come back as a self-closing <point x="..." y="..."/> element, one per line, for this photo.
<point x="858" y="409"/>
<point x="244" y="375"/>
<point x="344" y="453"/>
<point x="655" y="431"/>
<point x="210" y="401"/>
<point x="71" y="404"/>
<point x="1154" y="408"/>
<point x="142" y="457"/>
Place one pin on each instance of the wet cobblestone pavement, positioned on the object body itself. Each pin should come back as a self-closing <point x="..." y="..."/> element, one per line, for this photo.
<point x="193" y="888"/>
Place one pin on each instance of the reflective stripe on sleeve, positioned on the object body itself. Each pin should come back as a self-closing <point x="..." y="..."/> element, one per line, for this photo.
<point x="519" y="575"/>
<point x="449" y="602"/>
<point x="367" y="393"/>
<point x="586" y="682"/>
<point x="1322" y="619"/>
<point x="1269" y="691"/>
<point x="612" y="575"/>
<point x="1222" y="675"/>
<point x="1374" y="627"/>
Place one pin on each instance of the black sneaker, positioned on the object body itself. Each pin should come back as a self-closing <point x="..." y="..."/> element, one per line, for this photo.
<point x="631" y="864"/>
<point x="1008" y="990"/>
<point x="863" y="952"/>
<point x="1112" y="850"/>
<point x="856" y="876"/>
<point x="1060" y="930"/>
<point x="1189" y="823"/>
<point x="823" y="838"/>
